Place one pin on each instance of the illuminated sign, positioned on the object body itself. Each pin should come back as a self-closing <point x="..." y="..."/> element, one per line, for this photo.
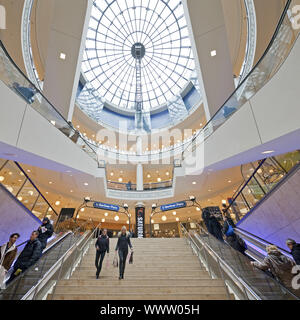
<point x="140" y="222"/>
<point x="106" y="206"/>
<point x="173" y="206"/>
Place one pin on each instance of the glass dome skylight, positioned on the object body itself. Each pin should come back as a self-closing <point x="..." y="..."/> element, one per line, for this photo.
<point x="116" y="28"/>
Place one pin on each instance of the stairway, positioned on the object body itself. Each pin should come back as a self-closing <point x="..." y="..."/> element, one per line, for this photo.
<point x="163" y="269"/>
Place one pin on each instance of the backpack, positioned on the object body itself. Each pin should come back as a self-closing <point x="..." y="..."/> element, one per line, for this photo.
<point x="230" y="231"/>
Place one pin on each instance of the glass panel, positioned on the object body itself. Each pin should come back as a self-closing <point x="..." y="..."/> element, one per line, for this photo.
<point x="12" y="178"/>
<point x="41" y="208"/>
<point x="28" y="195"/>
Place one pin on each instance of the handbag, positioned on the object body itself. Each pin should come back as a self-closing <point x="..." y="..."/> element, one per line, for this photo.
<point x="115" y="262"/>
<point x="131" y="258"/>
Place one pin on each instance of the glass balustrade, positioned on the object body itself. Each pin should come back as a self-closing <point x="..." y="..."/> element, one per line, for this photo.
<point x="261" y="178"/>
<point x="14" y="78"/>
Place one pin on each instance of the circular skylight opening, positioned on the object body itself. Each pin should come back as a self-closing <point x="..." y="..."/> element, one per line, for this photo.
<point x="118" y="29"/>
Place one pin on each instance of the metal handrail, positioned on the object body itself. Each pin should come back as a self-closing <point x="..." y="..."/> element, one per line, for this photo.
<point x="218" y="259"/>
<point x="278" y="283"/>
<point x="34" y="290"/>
<point x="282" y="17"/>
<point x="37" y="90"/>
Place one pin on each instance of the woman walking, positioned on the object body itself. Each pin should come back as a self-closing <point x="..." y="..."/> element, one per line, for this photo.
<point x="102" y="246"/>
<point x="122" y="249"/>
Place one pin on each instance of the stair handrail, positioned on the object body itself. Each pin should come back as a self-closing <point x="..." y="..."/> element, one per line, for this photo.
<point x="57" y="267"/>
<point x="225" y="263"/>
<point x="221" y="264"/>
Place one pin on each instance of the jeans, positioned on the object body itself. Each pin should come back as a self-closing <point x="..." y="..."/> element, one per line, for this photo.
<point x="99" y="256"/>
<point x="123" y="256"/>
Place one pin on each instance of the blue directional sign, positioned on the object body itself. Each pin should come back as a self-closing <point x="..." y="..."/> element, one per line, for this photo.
<point x="173" y="206"/>
<point x="106" y="206"/>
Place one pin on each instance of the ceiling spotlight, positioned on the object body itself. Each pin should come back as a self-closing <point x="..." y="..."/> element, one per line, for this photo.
<point x="164" y="218"/>
<point x="174" y="213"/>
<point x="57" y="203"/>
<point x="125" y="206"/>
<point x="62" y="56"/>
<point x="158" y="179"/>
<point x="213" y="53"/>
<point x="106" y="214"/>
<point x="152" y="221"/>
<point x="87" y="199"/>
<point x="177" y="219"/>
<point x="20" y="198"/>
<point x="224" y="202"/>
<point x="168" y="173"/>
<point x="120" y="179"/>
<point x="82" y="210"/>
<point x="192" y="198"/>
<point x="86" y="184"/>
<point x="198" y="209"/>
<point x="117" y="218"/>
<point x="112" y="174"/>
<point x="103" y="220"/>
<point x="2" y="179"/>
<point x="194" y="182"/>
<point x="154" y="206"/>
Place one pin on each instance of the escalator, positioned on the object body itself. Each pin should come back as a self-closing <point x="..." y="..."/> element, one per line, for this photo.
<point x="20" y="286"/>
<point x="223" y="262"/>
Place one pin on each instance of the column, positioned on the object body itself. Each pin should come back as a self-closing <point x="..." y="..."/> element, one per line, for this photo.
<point x="139" y="177"/>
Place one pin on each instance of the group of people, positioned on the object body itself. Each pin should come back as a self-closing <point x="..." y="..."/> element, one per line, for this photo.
<point x="276" y="262"/>
<point x="31" y="253"/>
<point x="102" y="247"/>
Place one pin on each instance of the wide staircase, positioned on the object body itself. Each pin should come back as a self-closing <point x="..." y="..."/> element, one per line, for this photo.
<point x="163" y="269"/>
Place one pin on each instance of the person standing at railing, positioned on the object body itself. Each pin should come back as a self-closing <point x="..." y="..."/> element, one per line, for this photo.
<point x="122" y="248"/>
<point x="45" y="232"/>
<point x="102" y="247"/>
<point x="8" y="253"/>
<point x="295" y="250"/>
<point x="28" y="257"/>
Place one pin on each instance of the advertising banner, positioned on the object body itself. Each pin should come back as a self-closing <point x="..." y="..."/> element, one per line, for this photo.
<point x="140" y="222"/>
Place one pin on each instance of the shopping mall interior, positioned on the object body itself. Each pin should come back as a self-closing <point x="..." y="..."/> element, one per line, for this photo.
<point x="178" y="120"/>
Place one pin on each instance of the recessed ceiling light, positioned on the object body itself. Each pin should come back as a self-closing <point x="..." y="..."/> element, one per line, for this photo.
<point x="20" y="198"/>
<point x="158" y="179"/>
<point x="103" y="220"/>
<point x="198" y="209"/>
<point x="82" y="210"/>
<point x="168" y="173"/>
<point x="117" y="218"/>
<point x="2" y="179"/>
<point x="174" y="213"/>
<point x="62" y="56"/>
<point x="152" y="221"/>
<point x="120" y="179"/>
<point x="268" y="152"/>
<point x="194" y="182"/>
<point x="86" y="184"/>
<point x="213" y="53"/>
<point x="229" y="181"/>
<point x="53" y="122"/>
<point x="57" y="203"/>
<point x="112" y="174"/>
<point x="106" y="214"/>
<point x="164" y="218"/>
<point x="71" y="191"/>
<point x="50" y="182"/>
<point x="177" y="219"/>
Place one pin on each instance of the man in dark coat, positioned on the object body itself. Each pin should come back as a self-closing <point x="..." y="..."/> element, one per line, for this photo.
<point x="295" y="250"/>
<point x="45" y="232"/>
<point x="215" y="227"/>
<point x="102" y="246"/>
<point x="28" y="257"/>
<point x="205" y="217"/>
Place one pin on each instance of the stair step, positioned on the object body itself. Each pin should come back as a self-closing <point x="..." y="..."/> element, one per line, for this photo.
<point x="141" y="289"/>
<point x="130" y="296"/>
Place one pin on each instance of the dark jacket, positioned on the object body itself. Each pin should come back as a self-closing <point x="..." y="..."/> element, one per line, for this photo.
<point x="102" y="243"/>
<point x="296" y="253"/>
<point x="215" y="228"/>
<point x="29" y="256"/>
<point x="43" y="237"/>
<point x="123" y="241"/>
<point x="237" y="243"/>
<point x="205" y="217"/>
